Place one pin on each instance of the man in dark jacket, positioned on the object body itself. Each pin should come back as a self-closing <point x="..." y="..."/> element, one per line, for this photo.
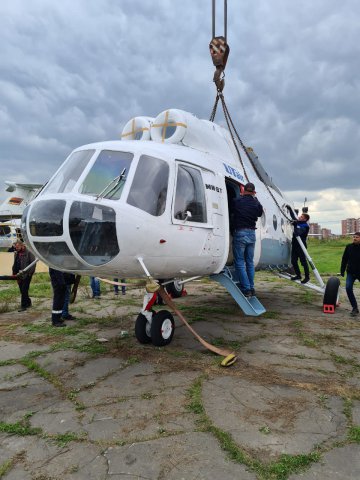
<point x="244" y="212"/>
<point x="351" y="263"/>
<point x="301" y="229"/>
<point x="22" y="259"/>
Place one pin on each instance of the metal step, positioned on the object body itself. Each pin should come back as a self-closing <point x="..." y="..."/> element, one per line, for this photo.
<point x="249" y="305"/>
<point x="310" y="285"/>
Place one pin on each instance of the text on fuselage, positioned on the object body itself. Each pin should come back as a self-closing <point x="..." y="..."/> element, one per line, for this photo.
<point x="232" y="171"/>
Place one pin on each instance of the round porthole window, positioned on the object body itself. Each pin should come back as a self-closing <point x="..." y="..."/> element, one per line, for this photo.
<point x="282" y="225"/>
<point x="275" y="222"/>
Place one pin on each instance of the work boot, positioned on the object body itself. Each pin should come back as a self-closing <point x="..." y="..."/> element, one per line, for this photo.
<point x="68" y="317"/>
<point x="248" y="294"/>
<point x="58" y="324"/>
<point x="354" y="312"/>
<point x="253" y="293"/>
<point x="306" y="279"/>
<point x="295" y="277"/>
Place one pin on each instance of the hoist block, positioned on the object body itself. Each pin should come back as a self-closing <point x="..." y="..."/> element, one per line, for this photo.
<point x="219" y="51"/>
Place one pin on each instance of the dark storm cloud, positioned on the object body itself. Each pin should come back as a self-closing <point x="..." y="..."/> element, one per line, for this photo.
<point x="74" y="72"/>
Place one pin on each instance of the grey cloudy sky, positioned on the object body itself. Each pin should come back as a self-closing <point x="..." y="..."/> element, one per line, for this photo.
<point x="73" y="72"/>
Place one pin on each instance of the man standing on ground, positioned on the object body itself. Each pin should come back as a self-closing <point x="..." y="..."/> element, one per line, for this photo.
<point x="245" y="210"/>
<point x="61" y="284"/>
<point x="301" y="230"/>
<point x="23" y="258"/>
<point x="351" y="263"/>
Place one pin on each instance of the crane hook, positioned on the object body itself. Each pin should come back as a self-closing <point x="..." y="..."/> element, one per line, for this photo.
<point x="219" y="51"/>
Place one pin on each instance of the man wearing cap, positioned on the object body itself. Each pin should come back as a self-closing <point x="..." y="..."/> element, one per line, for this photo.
<point x="245" y="210"/>
<point x="301" y="229"/>
<point x="351" y="263"/>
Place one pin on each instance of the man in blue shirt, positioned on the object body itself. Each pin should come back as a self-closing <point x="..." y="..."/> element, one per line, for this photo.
<point x="301" y="229"/>
<point x="244" y="212"/>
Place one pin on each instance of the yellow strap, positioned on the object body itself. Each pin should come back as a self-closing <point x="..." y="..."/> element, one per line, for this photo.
<point x="165" y="125"/>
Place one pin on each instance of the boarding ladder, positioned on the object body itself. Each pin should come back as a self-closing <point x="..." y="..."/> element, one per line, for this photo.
<point x="249" y="305"/>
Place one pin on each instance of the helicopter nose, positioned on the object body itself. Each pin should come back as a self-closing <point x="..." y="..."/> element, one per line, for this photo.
<point x="73" y="235"/>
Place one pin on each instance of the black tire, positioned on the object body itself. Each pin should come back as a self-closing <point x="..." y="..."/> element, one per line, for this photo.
<point x="331" y="291"/>
<point x="142" y="329"/>
<point x="162" y="328"/>
<point x="175" y="289"/>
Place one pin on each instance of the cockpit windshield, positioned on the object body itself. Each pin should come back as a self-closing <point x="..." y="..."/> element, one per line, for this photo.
<point x="108" y="175"/>
<point x="149" y="188"/>
<point x="69" y="172"/>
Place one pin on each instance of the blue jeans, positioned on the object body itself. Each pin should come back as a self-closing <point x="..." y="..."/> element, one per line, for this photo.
<point x="350" y="279"/>
<point x="243" y="250"/>
<point x="95" y="286"/>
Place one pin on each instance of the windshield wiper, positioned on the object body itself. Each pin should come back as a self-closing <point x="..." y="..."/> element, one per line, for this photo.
<point x="114" y="181"/>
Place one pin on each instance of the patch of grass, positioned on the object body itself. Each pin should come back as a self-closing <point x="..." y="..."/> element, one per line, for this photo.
<point x="21" y="428"/>
<point x="265" y="429"/>
<point x="132" y="361"/>
<point x="327" y="253"/>
<point x="48" y="329"/>
<point x="10" y="294"/>
<point x="344" y="361"/>
<point x="354" y="434"/>
<point x="348" y="408"/>
<point x="4" y="363"/>
<point x="194" y="393"/>
<point x="289" y="464"/>
<point x="4" y="307"/>
<point x="5" y="467"/>
<point x="147" y="396"/>
<point x="326" y="338"/>
<point x="307" y="341"/>
<point x="307" y="297"/>
<point x="62" y="439"/>
<point x="40" y="290"/>
<point x="270" y="314"/>
<point x="93" y="347"/>
<point x="233" y="344"/>
<point x="35" y="367"/>
<point x="323" y="399"/>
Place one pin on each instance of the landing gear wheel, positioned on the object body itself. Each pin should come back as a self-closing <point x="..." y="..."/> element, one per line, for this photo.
<point x="331" y="291"/>
<point x="162" y="328"/>
<point x="175" y="289"/>
<point x="142" y="329"/>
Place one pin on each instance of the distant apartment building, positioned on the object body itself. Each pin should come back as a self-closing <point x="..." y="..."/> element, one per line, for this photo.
<point x="350" y="225"/>
<point x="315" y="229"/>
<point x="326" y="233"/>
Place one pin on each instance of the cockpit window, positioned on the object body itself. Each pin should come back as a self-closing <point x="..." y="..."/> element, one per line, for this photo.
<point x="108" y="174"/>
<point x="93" y="232"/>
<point x="149" y="188"/>
<point x="190" y="195"/>
<point x="46" y="219"/>
<point x="69" y="173"/>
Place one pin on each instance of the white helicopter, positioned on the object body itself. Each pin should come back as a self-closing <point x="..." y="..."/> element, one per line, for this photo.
<point x="156" y="204"/>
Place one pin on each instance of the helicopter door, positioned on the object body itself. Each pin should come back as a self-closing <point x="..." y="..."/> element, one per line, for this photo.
<point x="197" y="210"/>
